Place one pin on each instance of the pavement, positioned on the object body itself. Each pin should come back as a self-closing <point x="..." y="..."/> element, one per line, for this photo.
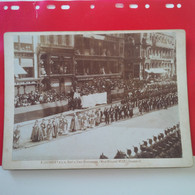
<point x="107" y="139"/>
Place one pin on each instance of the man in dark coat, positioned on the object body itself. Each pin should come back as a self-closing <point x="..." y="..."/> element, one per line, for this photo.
<point x="116" y="113"/>
<point x="106" y="114"/>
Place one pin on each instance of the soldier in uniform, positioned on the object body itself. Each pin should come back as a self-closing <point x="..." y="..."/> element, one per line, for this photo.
<point x="140" y="105"/>
<point x="106" y="114"/>
<point x="131" y="111"/>
<point x="116" y="112"/>
<point x="111" y="113"/>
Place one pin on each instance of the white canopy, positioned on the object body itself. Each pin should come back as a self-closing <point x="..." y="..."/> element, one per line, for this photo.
<point x="156" y="70"/>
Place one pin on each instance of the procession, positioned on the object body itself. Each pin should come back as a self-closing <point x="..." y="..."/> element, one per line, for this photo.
<point x="123" y="110"/>
<point x="94" y="92"/>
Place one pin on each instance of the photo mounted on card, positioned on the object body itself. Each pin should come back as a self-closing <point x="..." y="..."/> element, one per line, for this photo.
<point x="104" y="99"/>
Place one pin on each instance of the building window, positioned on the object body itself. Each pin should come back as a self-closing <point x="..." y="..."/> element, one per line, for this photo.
<point x="42" y="39"/>
<point x="68" y="40"/>
<point x="51" y="39"/>
<point x="59" y="39"/>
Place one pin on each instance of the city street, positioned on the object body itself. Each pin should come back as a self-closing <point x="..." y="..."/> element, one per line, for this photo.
<point x="92" y="143"/>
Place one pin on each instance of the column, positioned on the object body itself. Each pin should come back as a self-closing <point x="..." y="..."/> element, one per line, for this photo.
<point x="35" y="56"/>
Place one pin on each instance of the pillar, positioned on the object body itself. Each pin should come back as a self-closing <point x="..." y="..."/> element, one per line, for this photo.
<point x="35" y="56"/>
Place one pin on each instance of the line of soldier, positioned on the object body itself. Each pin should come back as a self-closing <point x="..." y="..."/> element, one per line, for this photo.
<point x="164" y="145"/>
<point x="82" y="121"/>
<point x="117" y="112"/>
<point x="158" y="102"/>
<point x="85" y="120"/>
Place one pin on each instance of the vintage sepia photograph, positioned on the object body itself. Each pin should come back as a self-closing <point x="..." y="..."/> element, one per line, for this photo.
<point x="99" y="96"/>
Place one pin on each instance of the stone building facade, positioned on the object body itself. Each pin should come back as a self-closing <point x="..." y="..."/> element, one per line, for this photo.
<point x="149" y="54"/>
<point x="58" y="61"/>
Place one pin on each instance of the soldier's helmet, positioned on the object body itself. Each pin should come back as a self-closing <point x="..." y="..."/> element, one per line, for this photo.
<point x="129" y="152"/>
<point x="102" y="156"/>
<point x="135" y="150"/>
<point x="154" y="138"/>
<point x="150" y="141"/>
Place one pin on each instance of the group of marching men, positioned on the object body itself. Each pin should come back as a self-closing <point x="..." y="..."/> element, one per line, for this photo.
<point x="59" y="125"/>
<point x="91" y="118"/>
<point x="80" y="121"/>
<point x="158" y="102"/>
<point x="164" y="145"/>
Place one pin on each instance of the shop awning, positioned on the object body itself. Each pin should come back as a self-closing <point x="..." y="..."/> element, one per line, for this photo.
<point x="26" y="62"/>
<point x="156" y="70"/>
<point x="18" y="69"/>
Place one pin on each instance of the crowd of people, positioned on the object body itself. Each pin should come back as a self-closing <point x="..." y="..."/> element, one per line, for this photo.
<point x="100" y="85"/>
<point x="51" y="128"/>
<point x="74" y="103"/>
<point x="132" y="89"/>
<point x="89" y="119"/>
<point x="164" y="145"/>
<point x="97" y="85"/>
<point x="157" y="102"/>
<point x="37" y="97"/>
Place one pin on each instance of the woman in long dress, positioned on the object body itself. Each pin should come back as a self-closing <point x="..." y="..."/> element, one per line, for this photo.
<point x="80" y="121"/>
<point x="84" y="121"/>
<point x="74" y="126"/>
<point x="98" y="120"/>
<point x="65" y="125"/>
<point x="36" y="133"/>
<point x="55" y="128"/>
<point x="49" y="130"/>
<point x="61" y="125"/>
<point x="43" y="128"/>
<point x="16" y="137"/>
<point x="92" y="119"/>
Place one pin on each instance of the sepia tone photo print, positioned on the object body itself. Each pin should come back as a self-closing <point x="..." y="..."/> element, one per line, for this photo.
<point x="113" y="99"/>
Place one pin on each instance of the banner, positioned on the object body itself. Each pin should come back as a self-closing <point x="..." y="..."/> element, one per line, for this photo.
<point x="93" y="99"/>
